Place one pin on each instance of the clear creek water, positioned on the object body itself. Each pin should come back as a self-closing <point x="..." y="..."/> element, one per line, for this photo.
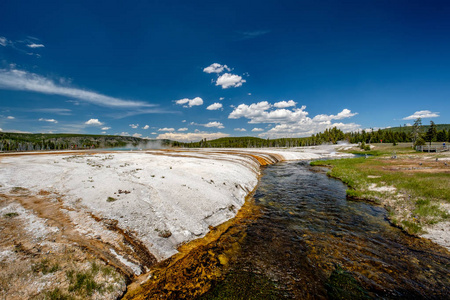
<point x="311" y="242"/>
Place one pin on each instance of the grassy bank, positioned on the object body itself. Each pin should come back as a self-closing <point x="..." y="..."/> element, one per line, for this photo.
<point x="414" y="187"/>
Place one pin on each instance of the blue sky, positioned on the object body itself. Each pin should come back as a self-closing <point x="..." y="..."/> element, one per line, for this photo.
<point x="187" y="70"/>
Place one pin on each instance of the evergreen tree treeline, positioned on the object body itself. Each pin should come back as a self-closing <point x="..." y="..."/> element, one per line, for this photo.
<point x="417" y="134"/>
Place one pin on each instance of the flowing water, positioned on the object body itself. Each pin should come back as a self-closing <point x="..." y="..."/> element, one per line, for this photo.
<point x="311" y="242"/>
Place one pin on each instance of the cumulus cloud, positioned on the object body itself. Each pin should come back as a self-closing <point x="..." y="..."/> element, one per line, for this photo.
<point x="345" y="113"/>
<point x="166" y="129"/>
<point x="240" y="129"/>
<point x="293" y="122"/>
<point x="216" y="68"/>
<point x="95" y="122"/>
<point x="190" y="102"/>
<point x="221" y="98"/>
<point x="48" y="120"/>
<point x="183" y="129"/>
<point x="257" y="129"/>
<point x="106" y="128"/>
<point x="146" y="127"/>
<point x="229" y="80"/>
<point x="14" y="79"/>
<point x="422" y="114"/>
<point x="10" y="117"/>
<point x="138" y="135"/>
<point x="134" y="126"/>
<point x="1" y="129"/>
<point x="192" y="137"/>
<point x="124" y="133"/>
<point x="215" y="106"/>
<point x="284" y="104"/>
<point x="33" y="45"/>
<point x="214" y="124"/>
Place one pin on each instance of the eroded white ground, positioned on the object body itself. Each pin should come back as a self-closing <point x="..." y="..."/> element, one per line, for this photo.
<point x="164" y="198"/>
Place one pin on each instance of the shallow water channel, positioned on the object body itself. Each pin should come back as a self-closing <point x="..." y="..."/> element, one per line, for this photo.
<point x="309" y="241"/>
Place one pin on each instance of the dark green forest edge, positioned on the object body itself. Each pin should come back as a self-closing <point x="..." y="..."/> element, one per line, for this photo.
<point x="13" y="142"/>
<point x="416" y="134"/>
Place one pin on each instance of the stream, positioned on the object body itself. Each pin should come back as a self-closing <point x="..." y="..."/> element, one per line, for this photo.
<point x="309" y="241"/>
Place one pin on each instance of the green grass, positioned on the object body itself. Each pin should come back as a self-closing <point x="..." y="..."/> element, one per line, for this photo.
<point x="45" y="267"/>
<point x="57" y="294"/>
<point x="424" y="191"/>
<point x="84" y="283"/>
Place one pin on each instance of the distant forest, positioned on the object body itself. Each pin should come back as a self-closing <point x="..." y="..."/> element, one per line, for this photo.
<point x="10" y="142"/>
<point x="330" y="136"/>
<point x="37" y="141"/>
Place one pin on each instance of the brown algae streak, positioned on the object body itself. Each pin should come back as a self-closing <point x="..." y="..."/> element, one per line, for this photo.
<point x="300" y="238"/>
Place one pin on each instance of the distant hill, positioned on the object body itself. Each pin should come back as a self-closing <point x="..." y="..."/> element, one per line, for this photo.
<point x="62" y="141"/>
<point x="408" y="129"/>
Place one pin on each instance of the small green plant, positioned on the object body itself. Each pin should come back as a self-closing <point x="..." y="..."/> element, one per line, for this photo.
<point x="110" y="199"/>
<point x="411" y="227"/>
<point x="45" y="267"/>
<point x="57" y="294"/>
<point x="11" y="215"/>
<point x="83" y="283"/>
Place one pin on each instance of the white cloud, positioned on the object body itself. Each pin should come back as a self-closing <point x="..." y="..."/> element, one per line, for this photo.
<point x="138" y="135"/>
<point x="230" y="80"/>
<point x="95" y="122"/>
<point x="106" y="128"/>
<point x="257" y="129"/>
<point x="214" y="124"/>
<point x="422" y="114"/>
<point x="240" y="129"/>
<point x="3" y="41"/>
<point x="215" y="106"/>
<point x="216" y="68"/>
<point x="345" y="113"/>
<point x="249" y="94"/>
<point x="192" y="137"/>
<point x="134" y="126"/>
<point x="33" y="45"/>
<point x="166" y="129"/>
<point x="184" y="121"/>
<point x="183" y="129"/>
<point x="58" y="111"/>
<point x="10" y="117"/>
<point x="190" y="102"/>
<point x="1" y="129"/>
<point x="48" y="120"/>
<point x="124" y="133"/>
<point x="146" y="127"/>
<point x="292" y="122"/>
<point x="221" y="98"/>
<point x="284" y="104"/>
<point x="14" y="79"/>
